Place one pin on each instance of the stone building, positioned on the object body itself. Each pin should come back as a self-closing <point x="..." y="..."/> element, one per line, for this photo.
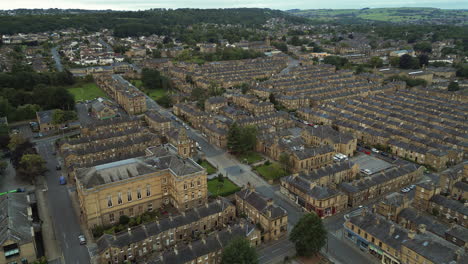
<point x="157" y="122"/>
<point x="392" y="244"/>
<point x="124" y="93"/>
<point x="261" y="211"/>
<point x="18" y="228"/>
<point x="147" y="240"/>
<point x="209" y="249"/>
<point x="342" y="142"/>
<point x="133" y="186"/>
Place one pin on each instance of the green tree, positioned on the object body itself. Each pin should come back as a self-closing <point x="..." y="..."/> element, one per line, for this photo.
<point x="376" y="62"/>
<point x="395" y="61"/>
<point x="285" y="162"/>
<point x="15" y="141"/>
<point x="234" y="138"/>
<point x="409" y="62"/>
<point x="165" y="101"/>
<point x="124" y="220"/>
<point x="3" y="166"/>
<point x="60" y="116"/>
<point x="453" y="86"/>
<point x="425" y="47"/>
<point x="30" y="166"/>
<point x="239" y="251"/>
<point x="308" y="235"/>
<point x="248" y="138"/>
<point x="338" y="61"/>
<point x="151" y="79"/>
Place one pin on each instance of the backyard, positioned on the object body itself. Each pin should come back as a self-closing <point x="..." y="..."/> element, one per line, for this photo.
<point x="222" y="188"/>
<point x="270" y="171"/>
<point x="86" y="91"/>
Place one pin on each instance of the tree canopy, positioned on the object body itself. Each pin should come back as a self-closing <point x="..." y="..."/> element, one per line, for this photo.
<point x="241" y="139"/>
<point x="308" y="235"/>
<point x="239" y="251"/>
<point x="30" y="166"/>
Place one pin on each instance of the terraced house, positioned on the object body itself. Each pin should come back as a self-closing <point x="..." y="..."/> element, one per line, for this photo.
<point x="148" y="241"/>
<point x="133" y="186"/>
<point x="393" y="244"/>
<point x="124" y="93"/>
<point x="18" y="228"/>
<point x="316" y="191"/>
<point x="272" y="219"/>
<point x="341" y="142"/>
<point x="425" y="128"/>
<point x="380" y="183"/>
<point x="209" y="249"/>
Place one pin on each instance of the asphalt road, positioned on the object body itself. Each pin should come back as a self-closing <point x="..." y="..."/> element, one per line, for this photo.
<point x="339" y="250"/>
<point x="66" y="223"/>
<point x="56" y="56"/>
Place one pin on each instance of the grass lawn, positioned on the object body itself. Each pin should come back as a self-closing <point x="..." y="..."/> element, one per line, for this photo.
<point x="271" y="172"/>
<point x="86" y="91"/>
<point x="224" y="188"/>
<point x="209" y="168"/>
<point x="156" y="94"/>
<point x="136" y="83"/>
<point x="250" y="157"/>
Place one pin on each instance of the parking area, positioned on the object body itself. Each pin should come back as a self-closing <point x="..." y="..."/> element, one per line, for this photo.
<point x="370" y="162"/>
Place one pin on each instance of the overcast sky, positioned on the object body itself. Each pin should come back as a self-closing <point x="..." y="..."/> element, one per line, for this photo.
<point x="274" y="4"/>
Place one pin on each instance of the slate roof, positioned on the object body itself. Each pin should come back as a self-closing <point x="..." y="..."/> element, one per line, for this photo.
<point x="14" y="222"/>
<point x="199" y="248"/>
<point x="45" y="116"/>
<point x="260" y="203"/>
<point x="449" y="203"/>
<point x="144" y="231"/>
<point x="164" y="159"/>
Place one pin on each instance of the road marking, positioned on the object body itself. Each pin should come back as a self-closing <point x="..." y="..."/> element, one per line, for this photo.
<point x="276" y="250"/>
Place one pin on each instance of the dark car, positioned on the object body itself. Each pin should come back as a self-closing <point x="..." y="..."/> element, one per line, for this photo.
<point x="58" y="167"/>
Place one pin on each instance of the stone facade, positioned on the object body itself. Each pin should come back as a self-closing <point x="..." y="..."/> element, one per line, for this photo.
<point x="272" y="219"/>
<point x="133" y="186"/>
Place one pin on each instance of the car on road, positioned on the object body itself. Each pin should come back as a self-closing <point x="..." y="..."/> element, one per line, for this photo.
<point x="367" y="152"/>
<point x="385" y="154"/>
<point x="375" y="150"/>
<point x="412" y="186"/>
<point x="82" y="239"/>
<point x="58" y="167"/>
<point x="62" y="180"/>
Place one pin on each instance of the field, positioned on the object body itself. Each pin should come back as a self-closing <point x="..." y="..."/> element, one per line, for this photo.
<point x="272" y="171"/>
<point x="224" y="188"/>
<point x="86" y="91"/>
<point x="403" y="14"/>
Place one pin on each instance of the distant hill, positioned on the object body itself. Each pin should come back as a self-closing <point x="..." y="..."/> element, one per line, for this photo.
<point x="402" y="14"/>
<point x="154" y="21"/>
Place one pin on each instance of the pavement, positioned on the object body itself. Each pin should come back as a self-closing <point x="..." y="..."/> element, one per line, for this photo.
<point x="338" y="251"/>
<point x="65" y="221"/>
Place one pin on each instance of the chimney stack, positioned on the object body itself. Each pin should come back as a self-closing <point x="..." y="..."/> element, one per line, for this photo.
<point x="422" y="228"/>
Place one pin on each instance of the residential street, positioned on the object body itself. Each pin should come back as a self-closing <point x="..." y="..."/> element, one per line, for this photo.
<point x="339" y="250"/>
<point x="65" y="221"/>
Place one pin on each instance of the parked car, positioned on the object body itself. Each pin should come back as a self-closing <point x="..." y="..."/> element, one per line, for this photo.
<point x="405" y="190"/>
<point x="375" y="150"/>
<point x="58" y="167"/>
<point x="367" y="152"/>
<point x="412" y="186"/>
<point x="82" y="239"/>
<point x="366" y="171"/>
